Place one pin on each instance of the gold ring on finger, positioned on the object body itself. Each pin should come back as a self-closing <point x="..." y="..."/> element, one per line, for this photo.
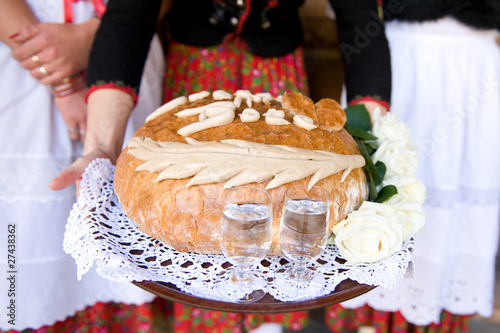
<point x="43" y="70"/>
<point x="36" y="60"/>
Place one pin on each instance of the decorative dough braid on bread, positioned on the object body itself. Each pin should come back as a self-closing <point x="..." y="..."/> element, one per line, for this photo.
<point x="171" y="177"/>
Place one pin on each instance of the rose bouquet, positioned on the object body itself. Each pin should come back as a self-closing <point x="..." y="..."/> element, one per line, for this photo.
<point x="393" y="212"/>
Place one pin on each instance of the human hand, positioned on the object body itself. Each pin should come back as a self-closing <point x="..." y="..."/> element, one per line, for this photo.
<point x="14" y="15"/>
<point x="74" y="112"/>
<point x="73" y="173"/>
<point x="108" y="112"/>
<point x="53" y="51"/>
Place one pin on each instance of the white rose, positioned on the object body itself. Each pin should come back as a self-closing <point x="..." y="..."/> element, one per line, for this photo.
<point x="380" y="209"/>
<point x="410" y="189"/>
<point x="412" y="218"/>
<point x="388" y="127"/>
<point x="398" y="157"/>
<point x="370" y="234"/>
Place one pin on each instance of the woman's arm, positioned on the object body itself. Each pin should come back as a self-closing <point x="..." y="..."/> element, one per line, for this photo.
<point x="365" y="51"/>
<point x="15" y="15"/>
<point x="108" y="112"/>
<point x="121" y="45"/>
<point x="62" y="49"/>
<point x="114" y="74"/>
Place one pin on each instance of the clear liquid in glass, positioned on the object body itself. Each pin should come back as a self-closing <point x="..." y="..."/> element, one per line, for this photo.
<point x="246" y="233"/>
<point x="303" y="233"/>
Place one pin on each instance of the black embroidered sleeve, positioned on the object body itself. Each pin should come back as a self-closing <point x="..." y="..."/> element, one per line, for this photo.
<point x="364" y="48"/>
<point x="122" y="42"/>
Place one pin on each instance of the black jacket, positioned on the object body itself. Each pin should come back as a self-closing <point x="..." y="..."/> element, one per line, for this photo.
<point x="268" y="30"/>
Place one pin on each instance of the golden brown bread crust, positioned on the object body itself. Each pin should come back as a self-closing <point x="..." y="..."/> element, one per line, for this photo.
<point x="300" y="104"/>
<point x="330" y="114"/>
<point x="188" y="219"/>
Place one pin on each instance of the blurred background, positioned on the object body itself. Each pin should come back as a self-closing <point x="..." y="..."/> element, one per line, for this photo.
<point x="322" y="55"/>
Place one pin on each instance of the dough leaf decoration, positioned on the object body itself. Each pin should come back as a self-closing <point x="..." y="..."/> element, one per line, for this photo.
<point x="238" y="162"/>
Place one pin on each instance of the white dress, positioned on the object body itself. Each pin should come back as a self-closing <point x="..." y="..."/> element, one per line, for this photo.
<point x="34" y="148"/>
<point x="446" y="86"/>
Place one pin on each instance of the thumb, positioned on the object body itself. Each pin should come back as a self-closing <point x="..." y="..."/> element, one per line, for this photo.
<point x="73" y="173"/>
<point x="67" y="177"/>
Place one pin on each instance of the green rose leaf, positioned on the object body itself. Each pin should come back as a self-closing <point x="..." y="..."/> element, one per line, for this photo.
<point x="381" y="168"/>
<point x="359" y="133"/>
<point x="385" y="193"/>
<point x="372" y="144"/>
<point x="372" y="189"/>
<point x="357" y="116"/>
<point x="369" y="166"/>
<point x="369" y="148"/>
<point x="359" y="124"/>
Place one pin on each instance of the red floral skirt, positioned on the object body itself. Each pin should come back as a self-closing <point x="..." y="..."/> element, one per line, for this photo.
<point x="339" y="319"/>
<point x="230" y="67"/>
<point x="114" y="317"/>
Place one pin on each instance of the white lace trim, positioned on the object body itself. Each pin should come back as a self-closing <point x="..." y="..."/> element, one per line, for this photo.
<point x="99" y="231"/>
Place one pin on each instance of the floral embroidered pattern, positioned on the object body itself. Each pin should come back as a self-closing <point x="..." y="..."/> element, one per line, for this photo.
<point x="111" y="317"/>
<point x="230" y="67"/>
<point x="339" y="319"/>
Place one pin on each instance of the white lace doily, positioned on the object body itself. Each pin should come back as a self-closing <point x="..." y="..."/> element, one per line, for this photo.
<point x="98" y="231"/>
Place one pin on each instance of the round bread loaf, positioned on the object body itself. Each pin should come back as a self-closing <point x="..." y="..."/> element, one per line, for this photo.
<point x="172" y="185"/>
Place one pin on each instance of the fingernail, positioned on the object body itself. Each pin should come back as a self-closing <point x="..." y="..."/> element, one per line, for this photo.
<point x="13" y="36"/>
